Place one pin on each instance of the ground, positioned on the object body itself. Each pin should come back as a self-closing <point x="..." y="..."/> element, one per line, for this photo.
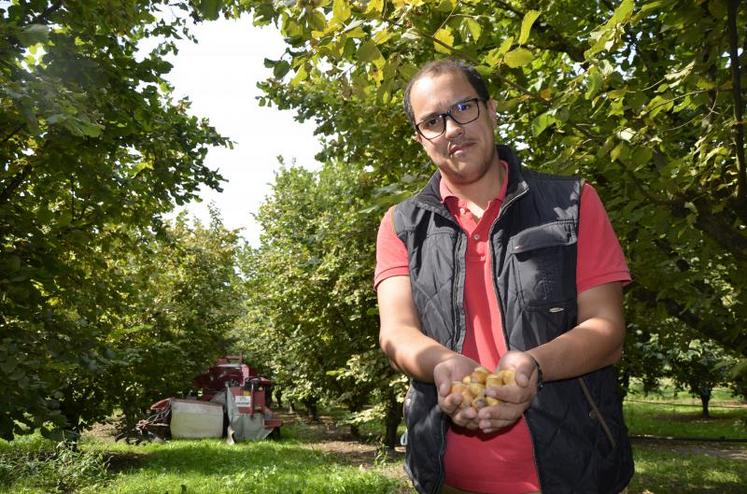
<point x="326" y="437"/>
<point x="728" y="449"/>
<point x="337" y="441"/>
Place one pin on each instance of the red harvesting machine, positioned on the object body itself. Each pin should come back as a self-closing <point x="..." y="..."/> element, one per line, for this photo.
<point x="231" y="402"/>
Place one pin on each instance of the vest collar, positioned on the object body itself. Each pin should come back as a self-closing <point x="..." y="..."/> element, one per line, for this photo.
<point x="430" y="197"/>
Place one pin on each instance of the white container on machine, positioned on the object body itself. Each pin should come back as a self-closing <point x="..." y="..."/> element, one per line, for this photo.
<point x="191" y="419"/>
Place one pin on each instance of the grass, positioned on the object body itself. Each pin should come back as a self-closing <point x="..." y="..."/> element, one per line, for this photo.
<point x="300" y="463"/>
<point x="660" y="470"/>
<point x="263" y="467"/>
<point x="685" y="422"/>
<point x="678" y="415"/>
<point x="34" y="464"/>
<point x="683" y="466"/>
<point x="289" y="466"/>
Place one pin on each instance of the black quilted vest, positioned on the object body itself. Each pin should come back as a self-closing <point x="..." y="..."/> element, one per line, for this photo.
<point x="580" y="439"/>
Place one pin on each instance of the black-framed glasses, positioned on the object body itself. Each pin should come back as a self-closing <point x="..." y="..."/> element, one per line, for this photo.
<point x="462" y="113"/>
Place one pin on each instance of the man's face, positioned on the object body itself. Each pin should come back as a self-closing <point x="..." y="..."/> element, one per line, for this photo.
<point x="464" y="152"/>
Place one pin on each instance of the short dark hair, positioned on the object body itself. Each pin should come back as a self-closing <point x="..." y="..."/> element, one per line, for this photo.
<point x="444" y="66"/>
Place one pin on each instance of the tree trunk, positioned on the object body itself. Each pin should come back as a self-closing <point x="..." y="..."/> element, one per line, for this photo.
<point x="705" y="398"/>
<point x="392" y="420"/>
<point x="355" y="432"/>
<point x="355" y="407"/>
<point x="311" y="408"/>
<point x="278" y="396"/>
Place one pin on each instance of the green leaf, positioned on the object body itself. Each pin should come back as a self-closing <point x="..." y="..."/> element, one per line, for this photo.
<point x="492" y="58"/>
<point x="474" y="28"/>
<point x="143" y="165"/>
<point x="11" y="264"/>
<point x="281" y="68"/>
<point x="650" y="6"/>
<point x="541" y="123"/>
<point x="368" y="52"/>
<point x="596" y="47"/>
<point x="318" y="22"/>
<point x="210" y="9"/>
<point x="595" y="82"/>
<point x="622" y="13"/>
<point x="301" y="75"/>
<point x="33" y="33"/>
<point x="9" y="365"/>
<point x="446" y="38"/>
<point x="382" y="36"/>
<point x="659" y="104"/>
<point x="506" y="45"/>
<point x="508" y="105"/>
<point x="82" y="127"/>
<point x="340" y="11"/>
<point x="290" y="28"/>
<point x="642" y="155"/>
<point x="706" y="84"/>
<point x="518" y="57"/>
<point x="356" y="32"/>
<point x="621" y="152"/>
<point x="375" y="6"/>
<point x="526" y="25"/>
<point x="495" y="56"/>
<point x="676" y="76"/>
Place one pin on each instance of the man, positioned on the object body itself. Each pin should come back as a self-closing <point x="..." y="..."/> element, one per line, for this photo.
<point x="498" y="266"/>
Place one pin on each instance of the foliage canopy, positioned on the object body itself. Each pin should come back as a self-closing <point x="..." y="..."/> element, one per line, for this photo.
<point x="94" y="150"/>
<point x="630" y="96"/>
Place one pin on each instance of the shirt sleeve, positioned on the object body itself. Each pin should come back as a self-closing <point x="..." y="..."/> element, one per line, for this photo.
<point x="391" y="253"/>
<point x="600" y="257"/>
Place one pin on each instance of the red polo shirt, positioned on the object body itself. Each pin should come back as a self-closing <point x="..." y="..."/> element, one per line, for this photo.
<point x="502" y="462"/>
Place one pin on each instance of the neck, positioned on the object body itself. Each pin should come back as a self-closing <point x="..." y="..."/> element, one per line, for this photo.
<point x="479" y="193"/>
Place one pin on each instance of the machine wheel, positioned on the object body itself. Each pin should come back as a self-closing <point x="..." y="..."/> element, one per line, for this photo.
<point x="275" y="434"/>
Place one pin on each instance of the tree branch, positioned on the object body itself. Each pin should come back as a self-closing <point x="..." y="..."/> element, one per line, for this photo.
<point x="709" y="223"/>
<point x="719" y="228"/>
<point x="12" y="133"/>
<point x="44" y="16"/>
<point x="739" y="123"/>
<point x="555" y="41"/>
<point x="729" y="338"/>
<point x="548" y="104"/>
<point x="15" y="182"/>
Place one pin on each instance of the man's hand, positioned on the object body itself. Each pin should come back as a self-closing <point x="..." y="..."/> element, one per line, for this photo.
<point x="515" y="398"/>
<point x="454" y="368"/>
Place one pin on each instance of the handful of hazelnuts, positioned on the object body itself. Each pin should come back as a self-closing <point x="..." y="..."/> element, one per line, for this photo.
<point x="472" y="387"/>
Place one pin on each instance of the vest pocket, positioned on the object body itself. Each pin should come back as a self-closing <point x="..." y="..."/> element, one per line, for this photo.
<point x="543" y="323"/>
<point x="543" y="263"/>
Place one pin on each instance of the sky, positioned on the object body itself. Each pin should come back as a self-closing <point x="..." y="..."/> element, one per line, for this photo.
<point x="219" y="75"/>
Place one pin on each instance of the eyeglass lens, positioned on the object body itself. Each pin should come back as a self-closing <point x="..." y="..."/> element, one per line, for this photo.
<point x="462" y="113"/>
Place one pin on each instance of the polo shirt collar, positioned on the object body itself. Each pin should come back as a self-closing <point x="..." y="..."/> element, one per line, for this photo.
<point x="447" y="195"/>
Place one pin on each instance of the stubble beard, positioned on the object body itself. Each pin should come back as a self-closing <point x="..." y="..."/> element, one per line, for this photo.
<point x="469" y="173"/>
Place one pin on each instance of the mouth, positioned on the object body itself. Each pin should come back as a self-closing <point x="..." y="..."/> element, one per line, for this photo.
<point x="456" y="148"/>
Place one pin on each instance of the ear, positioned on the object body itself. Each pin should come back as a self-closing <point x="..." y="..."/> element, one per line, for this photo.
<point x="492" y="112"/>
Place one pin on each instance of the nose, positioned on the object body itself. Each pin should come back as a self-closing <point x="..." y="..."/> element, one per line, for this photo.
<point x="453" y="128"/>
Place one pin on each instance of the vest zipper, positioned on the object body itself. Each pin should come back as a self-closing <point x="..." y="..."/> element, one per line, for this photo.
<point x="504" y="207"/>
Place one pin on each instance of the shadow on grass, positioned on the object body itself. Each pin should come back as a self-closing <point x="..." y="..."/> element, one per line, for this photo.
<point x="662" y="470"/>
<point x="264" y="467"/>
<point x="211" y="457"/>
<point x="121" y="462"/>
